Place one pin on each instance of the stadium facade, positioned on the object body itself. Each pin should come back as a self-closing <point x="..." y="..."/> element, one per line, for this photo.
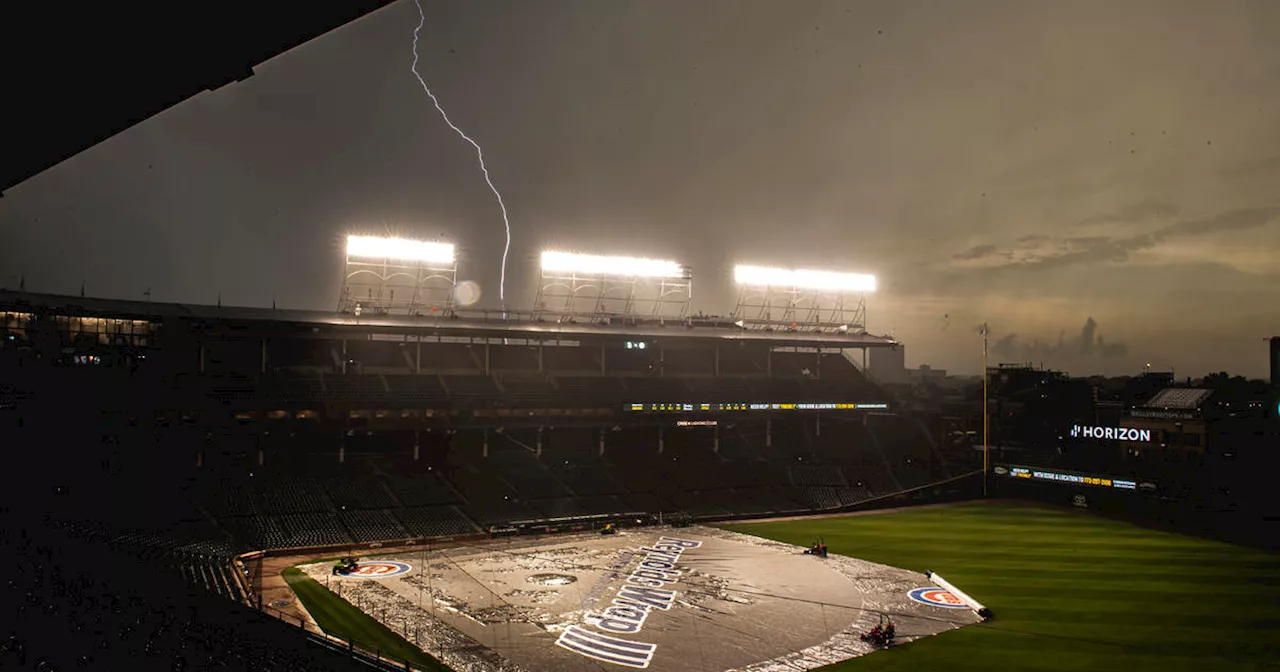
<point x="276" y="428"/>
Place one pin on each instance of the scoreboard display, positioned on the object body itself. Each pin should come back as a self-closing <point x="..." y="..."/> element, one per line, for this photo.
<point x="685" y="407"/>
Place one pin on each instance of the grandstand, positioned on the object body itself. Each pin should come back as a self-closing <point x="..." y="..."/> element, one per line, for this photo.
<point x="310" y="428"/>
<point x="287" y="431"/>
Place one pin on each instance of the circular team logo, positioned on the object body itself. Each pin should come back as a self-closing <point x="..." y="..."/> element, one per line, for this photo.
<point x="937" y="597"/>
<point x="381" y="569"/>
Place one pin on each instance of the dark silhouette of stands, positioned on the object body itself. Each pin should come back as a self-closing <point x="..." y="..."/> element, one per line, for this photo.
<point x="299" y="443"/>
<point x="79" y="596"/>
<point x="493" y="476"/>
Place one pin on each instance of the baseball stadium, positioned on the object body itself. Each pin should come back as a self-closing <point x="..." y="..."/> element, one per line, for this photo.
<point x="591" y="478"/>
<point x="603" y="481"/>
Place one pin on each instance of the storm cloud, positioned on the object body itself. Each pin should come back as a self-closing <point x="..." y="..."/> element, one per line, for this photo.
<point x="1080" y="353"/>
<point x="1055" y="252"/>
<point x="989" y="161"/>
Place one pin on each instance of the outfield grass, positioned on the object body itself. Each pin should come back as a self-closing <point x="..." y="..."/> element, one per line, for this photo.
<point x="339" y="618"/>
<point x="1070" y="591"/>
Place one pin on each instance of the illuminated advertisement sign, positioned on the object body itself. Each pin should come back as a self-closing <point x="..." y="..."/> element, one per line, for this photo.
<point x="1162" y="415"/>
<point x="1117" y="433"/>
<point x="683" y="407"/>
<point x="1036" y="474"/>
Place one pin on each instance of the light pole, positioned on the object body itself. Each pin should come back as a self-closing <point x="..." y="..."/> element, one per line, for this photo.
<point x="986" y="414"/>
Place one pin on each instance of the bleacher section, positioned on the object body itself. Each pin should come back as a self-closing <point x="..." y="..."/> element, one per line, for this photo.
<point x="514" y="376"/>
<point x="372" y="525"/>
<point x="311" y="529"/>
<point x="909" y="450"/>
<point x="498" y="476"/>
<point x="421" y="490"/>
<point x="291" y="495"/>
<point x="417" y="390"/>
<point x="433" y="521"/>
<point x="528" y="390"/>
<point x="474" y="478"/>
<point x="513" y="433"/>
<point x="356" y="493"/>
<point x="202" y="432"/>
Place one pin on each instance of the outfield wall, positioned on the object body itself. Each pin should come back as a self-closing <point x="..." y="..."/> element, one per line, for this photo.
<point x="958" y="489"/>
<point x="1176" y="511"/>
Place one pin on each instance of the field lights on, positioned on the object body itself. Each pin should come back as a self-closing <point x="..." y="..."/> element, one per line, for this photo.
<point x="827" y="281"/>
<point x="629" y="267"/>
<point x="399" y="249"/>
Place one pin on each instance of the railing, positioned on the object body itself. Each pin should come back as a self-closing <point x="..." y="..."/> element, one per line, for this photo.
<point x="372" y="656"/>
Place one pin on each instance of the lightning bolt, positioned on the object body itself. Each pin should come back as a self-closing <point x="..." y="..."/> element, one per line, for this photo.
<point x="502" y="282"/>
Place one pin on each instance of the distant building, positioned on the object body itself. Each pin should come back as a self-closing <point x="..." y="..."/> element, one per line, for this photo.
<point x="926" y="374"/>
<point x="1176" y="419"/>
<point x="888" y="365"/>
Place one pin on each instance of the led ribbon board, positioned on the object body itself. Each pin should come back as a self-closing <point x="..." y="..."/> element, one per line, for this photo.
<point x="1035" y="474"/>
<point x="684" y="407"/>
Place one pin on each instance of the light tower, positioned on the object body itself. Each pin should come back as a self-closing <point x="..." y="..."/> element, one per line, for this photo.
<point x="397" y="276"/>
<point x="597" y="288"/>
<point x="1274" y="410"/>
<point x="815" y="300"/>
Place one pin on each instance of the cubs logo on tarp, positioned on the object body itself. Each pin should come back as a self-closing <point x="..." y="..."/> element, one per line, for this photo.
<point x="638" y="598"/>
<point x="937" y="597"/>
<point x="380" y="569"/>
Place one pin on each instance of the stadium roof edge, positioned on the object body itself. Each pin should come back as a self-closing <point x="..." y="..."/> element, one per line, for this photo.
<point x="127" y="39"/>
<point x="474" y="325"/>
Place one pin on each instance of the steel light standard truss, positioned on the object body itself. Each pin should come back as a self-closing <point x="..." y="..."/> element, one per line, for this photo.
<point x="397" y="276"/>
<point x="810" y="300"/>
<point x="598" y="289"/>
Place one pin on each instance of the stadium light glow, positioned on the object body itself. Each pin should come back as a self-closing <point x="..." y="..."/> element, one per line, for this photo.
<point x="399" y="249"/>
<point x="590" y="264"/>
<point x="760" y="276"/>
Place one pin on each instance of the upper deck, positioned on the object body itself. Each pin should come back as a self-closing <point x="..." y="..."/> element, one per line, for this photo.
<point x="477" y="324"/>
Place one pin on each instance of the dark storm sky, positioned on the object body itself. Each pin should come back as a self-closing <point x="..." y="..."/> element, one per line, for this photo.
<point x="1033" y="164"/>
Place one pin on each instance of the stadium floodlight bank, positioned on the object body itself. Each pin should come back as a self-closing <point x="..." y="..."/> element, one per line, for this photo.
<point x="598" y="288"/>
<point x="770" y="297"/>
<point x="973" y="604"/>
<point x="625" y="267"/>
<point x="825" y="281"/>
<point x="384" y="276"/>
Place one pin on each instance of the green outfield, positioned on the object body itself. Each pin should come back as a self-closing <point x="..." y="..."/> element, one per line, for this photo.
<point x="339" y="618"/>
<point x="1070" y="591"/>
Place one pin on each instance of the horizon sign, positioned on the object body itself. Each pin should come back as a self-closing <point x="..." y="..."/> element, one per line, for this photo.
<point x="1116" y="433"/>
